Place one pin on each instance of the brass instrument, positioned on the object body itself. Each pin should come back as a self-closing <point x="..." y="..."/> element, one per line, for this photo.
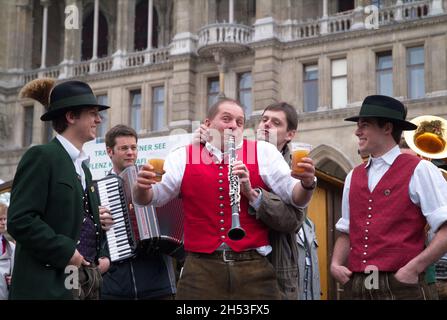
<point x="429" y="139"/>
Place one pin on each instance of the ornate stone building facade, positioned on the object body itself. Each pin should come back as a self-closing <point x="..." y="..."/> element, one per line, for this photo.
<point x="161" y="63"/>
<point x="158" y="62"/>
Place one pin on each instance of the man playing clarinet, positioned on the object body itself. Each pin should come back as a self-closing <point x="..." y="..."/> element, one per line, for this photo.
<point x="217" y="265"/>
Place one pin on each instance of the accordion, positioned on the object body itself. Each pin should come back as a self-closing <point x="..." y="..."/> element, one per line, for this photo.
<point x="138" y="228"/>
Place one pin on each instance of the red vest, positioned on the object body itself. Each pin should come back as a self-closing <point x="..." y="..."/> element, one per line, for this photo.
<point x="206" y="203"/>
<point x="386" y="228"/>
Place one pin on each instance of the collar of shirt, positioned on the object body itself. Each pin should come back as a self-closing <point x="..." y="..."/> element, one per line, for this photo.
<point x="75" y="154"/>
<point x="217" y="153"/>
<point x="387" y="158"/>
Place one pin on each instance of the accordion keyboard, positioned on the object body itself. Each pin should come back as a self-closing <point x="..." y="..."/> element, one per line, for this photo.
<point x="119" y="236"/>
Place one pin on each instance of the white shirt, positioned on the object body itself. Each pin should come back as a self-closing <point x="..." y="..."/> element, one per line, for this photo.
<point x="273" y="169"/>
<point x="78" y="157"/>
<point x="427" y="189"/>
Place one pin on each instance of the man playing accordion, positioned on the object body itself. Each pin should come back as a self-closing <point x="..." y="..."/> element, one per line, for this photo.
<point x="147" y="275"/>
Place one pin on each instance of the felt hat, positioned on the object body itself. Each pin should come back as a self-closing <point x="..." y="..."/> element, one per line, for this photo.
<point x="378" y="106"/>
<point x="60" y="98"/>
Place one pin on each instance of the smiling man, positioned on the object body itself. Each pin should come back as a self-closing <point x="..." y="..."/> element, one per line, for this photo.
<point x="53" y="213"/>
<point x="385" y="207"/>
<point x="147" y="275"/>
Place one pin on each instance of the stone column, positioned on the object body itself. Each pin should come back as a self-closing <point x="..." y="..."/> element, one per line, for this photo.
<point x="72" y="37"/>
<point x="221" y="60"/>
<point x="436" y="7"/>
<point x="185" y="41"/>
<point x="324" y="83"/>
<point x="184" y="106"/>
<point x="399" y="71"/>
<point x="125" y="32"/>
<point x="150" y="18"/>
<point x="324" y="18"/>
<point x="183" y="48"/>
<point x="265" y="78"/>
<point x="231" y="11"/>
<point x="436" y="64"/>
<point x="95" y="30"/>
<point x="45" y="4"/>
<point x="267" y="13"/>
<point x="398" y="10"/>
<point x="266" y="8"/>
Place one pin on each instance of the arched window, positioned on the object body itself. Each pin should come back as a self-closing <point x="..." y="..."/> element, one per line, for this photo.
<point x="55" y="35"/>
<point x="55" y="42"/>
<point x="141" y="16"/>
<point x="345" y="5"/>
<point x="87" y="36"/>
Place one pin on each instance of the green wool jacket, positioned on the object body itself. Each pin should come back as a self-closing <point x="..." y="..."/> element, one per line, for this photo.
<point x="45" y="218"/>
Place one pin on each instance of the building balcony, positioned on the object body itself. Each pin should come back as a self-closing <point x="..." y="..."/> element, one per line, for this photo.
<point x="116" y="62"/>
<point x="356" y="19"/>
<point x="229" y="37"/>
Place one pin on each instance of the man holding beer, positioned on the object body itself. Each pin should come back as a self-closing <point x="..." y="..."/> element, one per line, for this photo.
<point x="218" y="267"/>
<point x="293" y="257"/>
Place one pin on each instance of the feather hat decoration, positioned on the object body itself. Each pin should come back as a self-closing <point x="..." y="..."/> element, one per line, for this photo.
<point x="60" y="98"/>
<point x="39" y="90"/>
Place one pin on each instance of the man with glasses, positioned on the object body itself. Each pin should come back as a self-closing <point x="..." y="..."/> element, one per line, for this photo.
<point x="147" y="276"/>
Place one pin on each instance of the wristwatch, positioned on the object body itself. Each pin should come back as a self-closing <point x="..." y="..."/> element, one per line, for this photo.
<point x="312" y="187"/>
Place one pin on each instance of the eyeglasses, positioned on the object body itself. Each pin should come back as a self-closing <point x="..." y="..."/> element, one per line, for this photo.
<point x="126" y="148"/>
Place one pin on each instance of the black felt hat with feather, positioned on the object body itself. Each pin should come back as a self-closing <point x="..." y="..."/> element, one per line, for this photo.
<point x="60" y="98"/>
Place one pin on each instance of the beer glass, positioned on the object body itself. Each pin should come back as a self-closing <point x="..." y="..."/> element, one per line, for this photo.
<point x="158" y="168"/>
<point x="299" y="151"/>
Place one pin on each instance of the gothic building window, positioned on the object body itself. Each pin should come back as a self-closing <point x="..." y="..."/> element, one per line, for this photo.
<point x="141" y="17"/>
<point x="345" y="5"/>
<point x="87" y="36"/>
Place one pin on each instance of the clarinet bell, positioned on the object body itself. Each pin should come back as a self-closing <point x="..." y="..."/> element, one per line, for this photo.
<point x="236" y="233"/>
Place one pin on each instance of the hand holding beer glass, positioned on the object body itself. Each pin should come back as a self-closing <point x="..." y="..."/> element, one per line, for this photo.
<point x="299" y="151"/>
<point x="157" y="165"/>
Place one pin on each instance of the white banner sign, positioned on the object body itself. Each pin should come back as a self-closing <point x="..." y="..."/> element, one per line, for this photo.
<point x="148" y="148"/>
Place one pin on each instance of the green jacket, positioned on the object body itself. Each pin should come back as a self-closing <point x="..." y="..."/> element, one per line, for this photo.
<point x="45" y="218"/>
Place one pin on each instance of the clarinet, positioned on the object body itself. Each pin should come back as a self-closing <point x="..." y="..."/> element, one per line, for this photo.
<point x="236" y="232"/>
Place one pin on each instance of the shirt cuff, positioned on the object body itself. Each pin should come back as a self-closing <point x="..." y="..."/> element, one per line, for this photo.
<point x="342" y="225"/>
<point x="436" y="218"/>
<point x="257" y="203"/>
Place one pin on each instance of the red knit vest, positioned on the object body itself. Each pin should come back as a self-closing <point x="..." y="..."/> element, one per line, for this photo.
<point x="386" y="228"/>
<point x="206" y="203"/>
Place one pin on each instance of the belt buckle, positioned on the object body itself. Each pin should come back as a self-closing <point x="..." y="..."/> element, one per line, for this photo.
<point x="224" y="255"/>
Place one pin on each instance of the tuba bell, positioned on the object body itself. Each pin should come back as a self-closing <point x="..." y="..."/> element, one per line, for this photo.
<point x="429" y="138"/>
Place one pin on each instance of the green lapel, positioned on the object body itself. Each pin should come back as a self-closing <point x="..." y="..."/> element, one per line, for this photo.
<point x="68" y="168"/>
